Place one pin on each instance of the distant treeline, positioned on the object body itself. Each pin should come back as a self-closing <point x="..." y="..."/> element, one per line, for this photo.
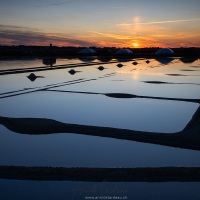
<point x="43" y="51"/>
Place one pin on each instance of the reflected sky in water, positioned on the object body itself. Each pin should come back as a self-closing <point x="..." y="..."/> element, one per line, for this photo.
<point x="71" y="150"/>
<point x="97" y="109"/>
<point x="91" y="109"/>
<point x="29" y="63"/>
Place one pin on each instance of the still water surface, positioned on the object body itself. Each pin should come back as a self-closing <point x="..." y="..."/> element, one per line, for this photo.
<point x="94" y="108"/>
<point x="89" y="106"/>
<point x="63" y="190"/>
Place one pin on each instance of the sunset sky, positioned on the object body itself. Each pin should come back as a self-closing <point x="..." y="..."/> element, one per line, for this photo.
<point x="114" y="23"/>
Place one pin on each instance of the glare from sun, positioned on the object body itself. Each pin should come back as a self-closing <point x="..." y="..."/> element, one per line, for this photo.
<point x="135" y="44"/>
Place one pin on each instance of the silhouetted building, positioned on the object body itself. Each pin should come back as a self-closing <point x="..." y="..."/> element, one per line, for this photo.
<point x="124" y="52"/>
<point x="164" y="52"/>
<point x="87" y="51"/>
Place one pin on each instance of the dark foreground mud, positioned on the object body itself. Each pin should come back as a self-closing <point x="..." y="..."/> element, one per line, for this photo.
<point x="164" y="174"/>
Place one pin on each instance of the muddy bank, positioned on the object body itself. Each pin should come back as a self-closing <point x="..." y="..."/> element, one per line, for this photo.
<point x="163" y="174"/>
<point x="189" y="138"/>
<point x="47" y="68"/>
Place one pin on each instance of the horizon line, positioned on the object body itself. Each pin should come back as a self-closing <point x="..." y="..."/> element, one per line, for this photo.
<point x="125" y="47"/>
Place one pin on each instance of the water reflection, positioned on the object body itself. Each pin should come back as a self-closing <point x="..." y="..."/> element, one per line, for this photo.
<point x="162" y="82"/>
<point x="87" y="58"/>
<point x="164" y="61"/>
<point x="47" y="126"/>
<point x="188" y="60"/>
<point x="50" y="61"/>
<point x="189" y="70"/>
<point x="44" y="68"/>
<point x="124" y="59"/>
<point x="130" y="96"/>
<point x="181" y="75"/>
<point x="104" y="58"/>
<point x="97" y="99"/>
<point x="108" y="75"/>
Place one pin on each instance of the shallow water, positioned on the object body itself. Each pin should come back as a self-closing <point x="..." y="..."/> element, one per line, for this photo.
<point x="62" y="100"/>
<point x="21" y="97"/>
<point x="73" y="150"/>
<point x="62" y="190"/>
<point x="98" y="109"/>
<point x="35" y="62"/>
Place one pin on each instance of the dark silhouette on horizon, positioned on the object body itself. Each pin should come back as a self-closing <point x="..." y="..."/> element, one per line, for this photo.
<point x="51" y="50"/>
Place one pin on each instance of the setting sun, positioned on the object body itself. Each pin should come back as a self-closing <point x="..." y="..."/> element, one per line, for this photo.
<point x="135" y="44"/>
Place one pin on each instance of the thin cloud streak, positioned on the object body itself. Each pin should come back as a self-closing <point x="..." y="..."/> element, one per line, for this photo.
<point x="61" y="3"/>
<point x="158" y="22"/>
<point x="18" y="35"/>
<point x="118" y="37"/>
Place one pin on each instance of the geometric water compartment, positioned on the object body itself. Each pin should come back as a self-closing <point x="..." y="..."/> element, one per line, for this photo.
<point x="74" y="150"/>
<point x="135" y="114"/>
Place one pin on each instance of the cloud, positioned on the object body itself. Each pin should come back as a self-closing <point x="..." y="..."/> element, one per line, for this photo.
<point x="58" y="4"/>
<point x="16" y="35"/>
<point x="115" y="36"/>
<point x="158" y="22"/>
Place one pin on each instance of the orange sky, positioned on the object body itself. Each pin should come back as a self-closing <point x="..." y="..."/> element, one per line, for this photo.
<point x="113" y="23"/>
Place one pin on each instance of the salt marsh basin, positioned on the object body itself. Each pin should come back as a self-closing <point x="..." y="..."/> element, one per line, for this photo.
<point x="83" y="99"/>
<point x="156" y="98"/>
